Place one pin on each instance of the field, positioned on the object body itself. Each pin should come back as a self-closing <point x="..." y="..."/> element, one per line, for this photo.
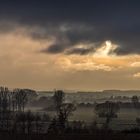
<point x="126" y="117"/>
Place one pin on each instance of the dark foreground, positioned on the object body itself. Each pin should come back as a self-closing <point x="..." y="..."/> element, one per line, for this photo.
<point x="100" y="136"/>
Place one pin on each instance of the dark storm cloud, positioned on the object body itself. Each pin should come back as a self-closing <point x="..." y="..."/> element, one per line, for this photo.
<point x="80" y="51"/>
<point x="74" y="22"/>
<point x="55" y="48"/>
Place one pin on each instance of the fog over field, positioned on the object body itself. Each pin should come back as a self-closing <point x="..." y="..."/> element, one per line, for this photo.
<point x="85" y="106"/>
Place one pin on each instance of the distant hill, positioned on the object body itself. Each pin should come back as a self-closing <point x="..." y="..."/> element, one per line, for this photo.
<point x="95" y="96"/>
<point x="102" y="93"/>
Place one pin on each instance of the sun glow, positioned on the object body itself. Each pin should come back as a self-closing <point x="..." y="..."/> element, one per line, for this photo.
<point x="106" y="49"/>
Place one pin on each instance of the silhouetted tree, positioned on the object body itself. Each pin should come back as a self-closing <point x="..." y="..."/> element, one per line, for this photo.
<point x="37" y="119"/>
<point x="66" y="110"/>
<point x="29" y="119"/>
<point x="21" y="98"/>
<point x="24" y="121"/>
<point x="4" y="107"/>
<point x="12" y="103"/>
<point x="107" y="110"/>
<point x="59" y="124"/>
<point x="53" y="127"/>
<point x="58" y="99"/>
<point x="135" y="101"/>
<point x="20" y="121"/>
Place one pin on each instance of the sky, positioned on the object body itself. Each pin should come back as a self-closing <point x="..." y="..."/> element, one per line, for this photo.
<point x="75" y="44"/>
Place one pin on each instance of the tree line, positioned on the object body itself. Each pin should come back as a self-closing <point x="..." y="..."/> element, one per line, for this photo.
<point x="15" y="119"/>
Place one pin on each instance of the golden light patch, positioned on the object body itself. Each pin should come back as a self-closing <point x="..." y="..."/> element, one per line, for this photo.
<point x="91" y="62"/>
<point x="135" y="64"/>
<point x="106" y="49"/>
<point x="137" y="75"/>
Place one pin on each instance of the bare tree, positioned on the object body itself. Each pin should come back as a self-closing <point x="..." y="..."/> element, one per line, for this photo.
<point x="13" y="101"/>
<point x="58" y="124"/>
<point x="4" y="107"/>
<point x="65" y="111"/>
<point x="21" y="99"/>
<point x="107" y="110"/>
<point x="10" y="103"/>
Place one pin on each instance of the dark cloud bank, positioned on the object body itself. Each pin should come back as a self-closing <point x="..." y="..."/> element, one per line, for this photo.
<point x="74" y="22"/>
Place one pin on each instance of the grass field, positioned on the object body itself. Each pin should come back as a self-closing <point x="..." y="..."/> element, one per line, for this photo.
<point x="126" y="117"/>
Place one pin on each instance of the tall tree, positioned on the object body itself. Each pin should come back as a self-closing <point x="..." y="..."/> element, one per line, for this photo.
<point x="65" y="111"/>
<point x="21" y="98"/>
<point x="58" y="97"/>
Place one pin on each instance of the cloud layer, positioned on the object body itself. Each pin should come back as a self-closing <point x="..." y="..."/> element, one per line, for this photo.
<point x="74" y="45"/>
<point x="72" y="23"/>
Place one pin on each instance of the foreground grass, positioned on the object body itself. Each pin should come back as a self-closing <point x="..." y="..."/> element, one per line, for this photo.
<point x="95" y="136"/>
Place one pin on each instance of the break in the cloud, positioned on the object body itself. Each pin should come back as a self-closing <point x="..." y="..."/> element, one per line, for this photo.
<point x="74" y="45"/>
